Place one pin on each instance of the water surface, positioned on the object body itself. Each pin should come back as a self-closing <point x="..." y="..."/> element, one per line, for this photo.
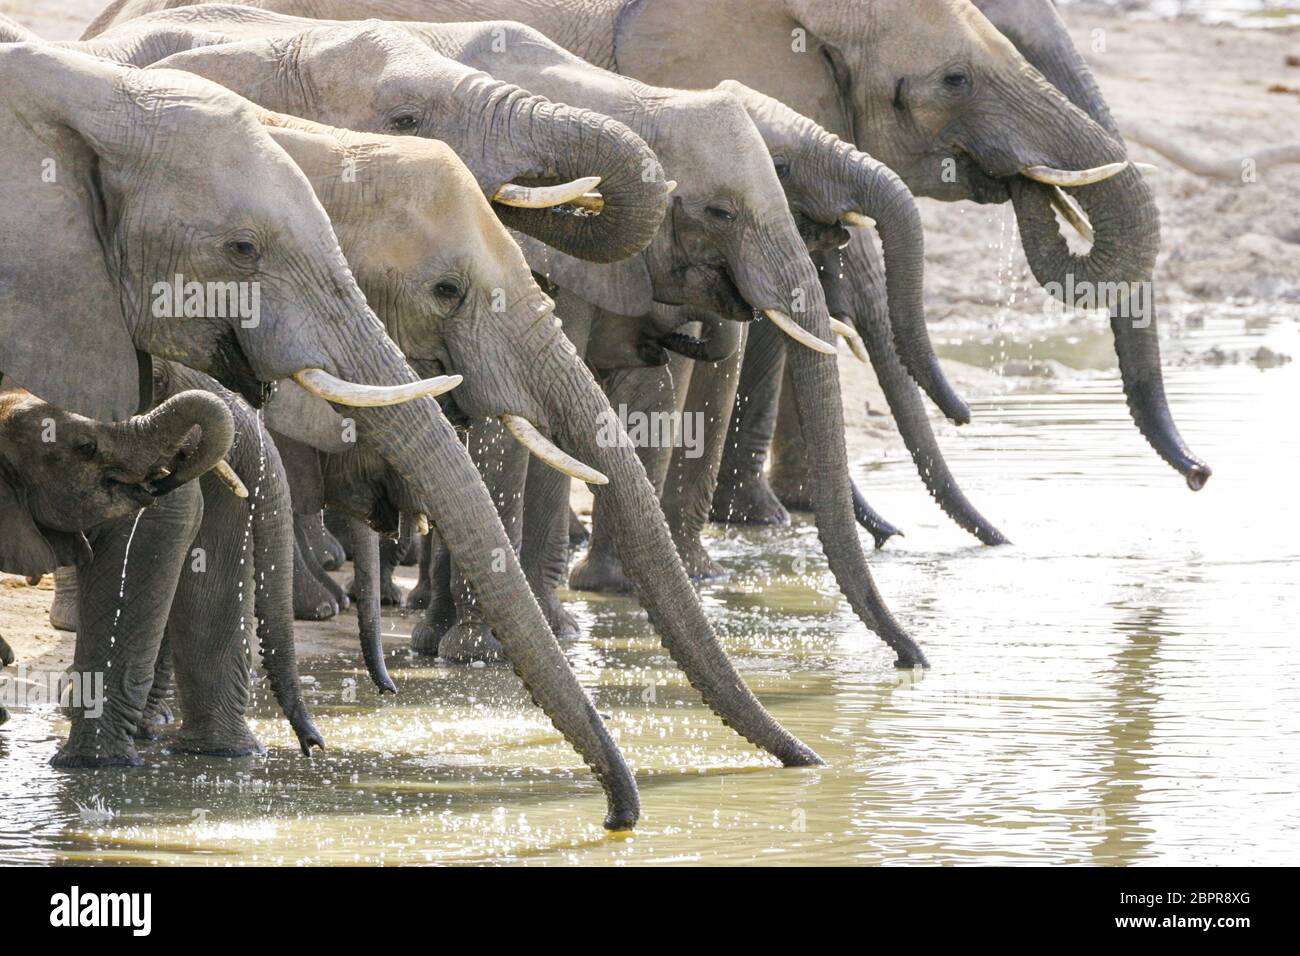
<point x="1121" y="685"/>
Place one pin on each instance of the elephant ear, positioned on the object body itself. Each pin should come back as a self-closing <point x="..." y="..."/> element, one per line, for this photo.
<point x="63" y="333"/>
<point x="244" y="67"/>
<point x="299" y="415"/>
<point x="29" y="550"/>
<point x="623" y="288"/>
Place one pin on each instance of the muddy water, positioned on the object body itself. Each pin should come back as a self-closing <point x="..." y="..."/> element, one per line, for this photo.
<point x="1121" y="685"/>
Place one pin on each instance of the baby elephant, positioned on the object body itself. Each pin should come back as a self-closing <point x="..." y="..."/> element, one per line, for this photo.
<point x="62" y="474"/>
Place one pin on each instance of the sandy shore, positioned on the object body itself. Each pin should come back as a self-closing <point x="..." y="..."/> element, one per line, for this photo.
<point x="1220" y="91"/>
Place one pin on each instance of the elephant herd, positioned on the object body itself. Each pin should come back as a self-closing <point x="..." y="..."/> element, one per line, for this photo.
<point x="418" y="273"/>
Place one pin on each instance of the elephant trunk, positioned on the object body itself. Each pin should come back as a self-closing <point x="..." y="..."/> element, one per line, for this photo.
<point x="365" y="562"/>
<point x="559" y="143"/>
<point x="1115" y="274"/>
<point x="585" y="424"/>
<point x="816" y="383"/>
<point x="157" y="436"/>
<point x="854" y="297"/>
<point x="424" y="451"/>
<point x="884" y="197"/>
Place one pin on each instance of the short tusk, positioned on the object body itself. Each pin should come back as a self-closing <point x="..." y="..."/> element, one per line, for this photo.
<point x="541" y="448"/>
<point x="1146" y="167"/>
<point x="1064" y="203"/>
<point x="800" y="335"/>
<point x="324" y="385"/>
<point x="422" y="524"/>
<point x="593" y="202"/>
<point x="227" y="475"/>
<point x="1073" y="177"/>
<point x="850" y="335"/>
<point x="670" y="185"/>
<point x="544" y="197"/>
<point x="857" y="219"/>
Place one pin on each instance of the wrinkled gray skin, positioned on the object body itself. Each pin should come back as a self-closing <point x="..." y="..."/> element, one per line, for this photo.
<point x="6" y="658"/>
<point x="63" y="475"/>
<point x="929" y="87"/>
<point x="225" y="593"/>
<point x="161" y="173"/>
<point x="535" y="371"/>
<point x="730" y="245"/>
<point x="824" y="177"/>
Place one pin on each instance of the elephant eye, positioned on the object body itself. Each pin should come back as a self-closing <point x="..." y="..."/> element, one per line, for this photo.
<point x="782" y="167"/>
<point x="242" y="250"/>
<point x="956" y="80"/>
<point x="449" y="291"/>
<point x="85" y="446"/>
<point x="403" y="123"/>
<point x="721" y="213"/>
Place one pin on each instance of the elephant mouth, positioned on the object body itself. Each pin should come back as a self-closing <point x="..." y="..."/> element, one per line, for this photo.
<point x="140" y="493"/>
<point x="231" y="367"/>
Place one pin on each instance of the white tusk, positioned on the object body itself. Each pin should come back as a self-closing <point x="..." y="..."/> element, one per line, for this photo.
<point x="544" y="197"/>
<point x="670" y="185"/>
<point x="857" y="219"/>
<point x="1146" y="167"/>
<point x="800" y="335"/>
<point x="540" y="447"/>
<point x="850" y="335"/>
<point x="422" y="524"/>
<point x="594" y="202"/>
<point x="231" y="480"/>
<point x="324" y="385"/>
<point x="1064" y="203"/>
<point x="1073" y="177"/>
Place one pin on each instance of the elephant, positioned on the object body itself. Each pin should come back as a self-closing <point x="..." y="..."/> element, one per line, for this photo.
<point x="932" y="89"/>
<point x="62" y="474"/>
<point x="224" y="588"/>
<point x="6" y="658"/>
<point x="731" y="246"/>
<point x="152" y="179"/>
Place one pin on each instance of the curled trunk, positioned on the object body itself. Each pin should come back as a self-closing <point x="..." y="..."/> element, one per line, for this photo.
<point x="365" y="560"/>
<point x="558" y="143"/>
<point x="1115" y="273"/>
<point x="166" y="428"/>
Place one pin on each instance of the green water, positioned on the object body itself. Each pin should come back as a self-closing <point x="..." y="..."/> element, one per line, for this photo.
<point x="1122" y="685"/>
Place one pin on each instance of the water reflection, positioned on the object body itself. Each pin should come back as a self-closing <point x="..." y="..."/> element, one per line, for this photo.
<point x="1121" y="685"/>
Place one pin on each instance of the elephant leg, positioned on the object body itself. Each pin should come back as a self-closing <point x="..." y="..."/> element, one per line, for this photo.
<point x="323" y="543"/>
<point x="63" y="610"/>
<point x="126" y="591"/>
<point x="789" y="472"/>
<point x="640" y="391"/>
<point x="6" y="658"/>
<point x="337" y="525"/>
<point x="391" y="554"/>
<point x="211" y="630"/>
<point x="578" y="533"/>
<point x="422" y="593"/>
<point x="367" y="560"/>
<point x="316" y="596"/>
<point x="503" y="463"/>
<point x="544" y="552"/>
<point x="157" y="712"/>
<point x="440" y="615"/>
<point x="743" y="495"/>
<point x="693" y="474"/>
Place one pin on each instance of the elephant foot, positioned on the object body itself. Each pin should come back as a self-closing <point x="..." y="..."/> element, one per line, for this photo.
<point x="748" y="500"/>
<point x="86" y="749"/>
<point x="425" y="639"/>
<point x="563" y="624"/>
<point x="466" y="643"/>
<point x="157" y="715"/>
<point x="390" y="595"/>
<point x="699" y="565"/>
<point x="229" y="738"/>
<point x="311" y="602"/>
<point x="4" y="716"/>
<point x="63" y="612"/>
<point x="420" y="595"/>
<point x="332" y="555"/>
<point x="599" y="571"/>
<point x="578" y="533"/>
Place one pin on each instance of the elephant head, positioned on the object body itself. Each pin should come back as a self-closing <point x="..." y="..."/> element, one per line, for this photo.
<point x="829" y="184"/>
<point x="158" y="179"/>
<point x="933" y="90"/>
<point x="528" y="154"/>
<point x="62" y="474"/>
<point x="458" y="297"/>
